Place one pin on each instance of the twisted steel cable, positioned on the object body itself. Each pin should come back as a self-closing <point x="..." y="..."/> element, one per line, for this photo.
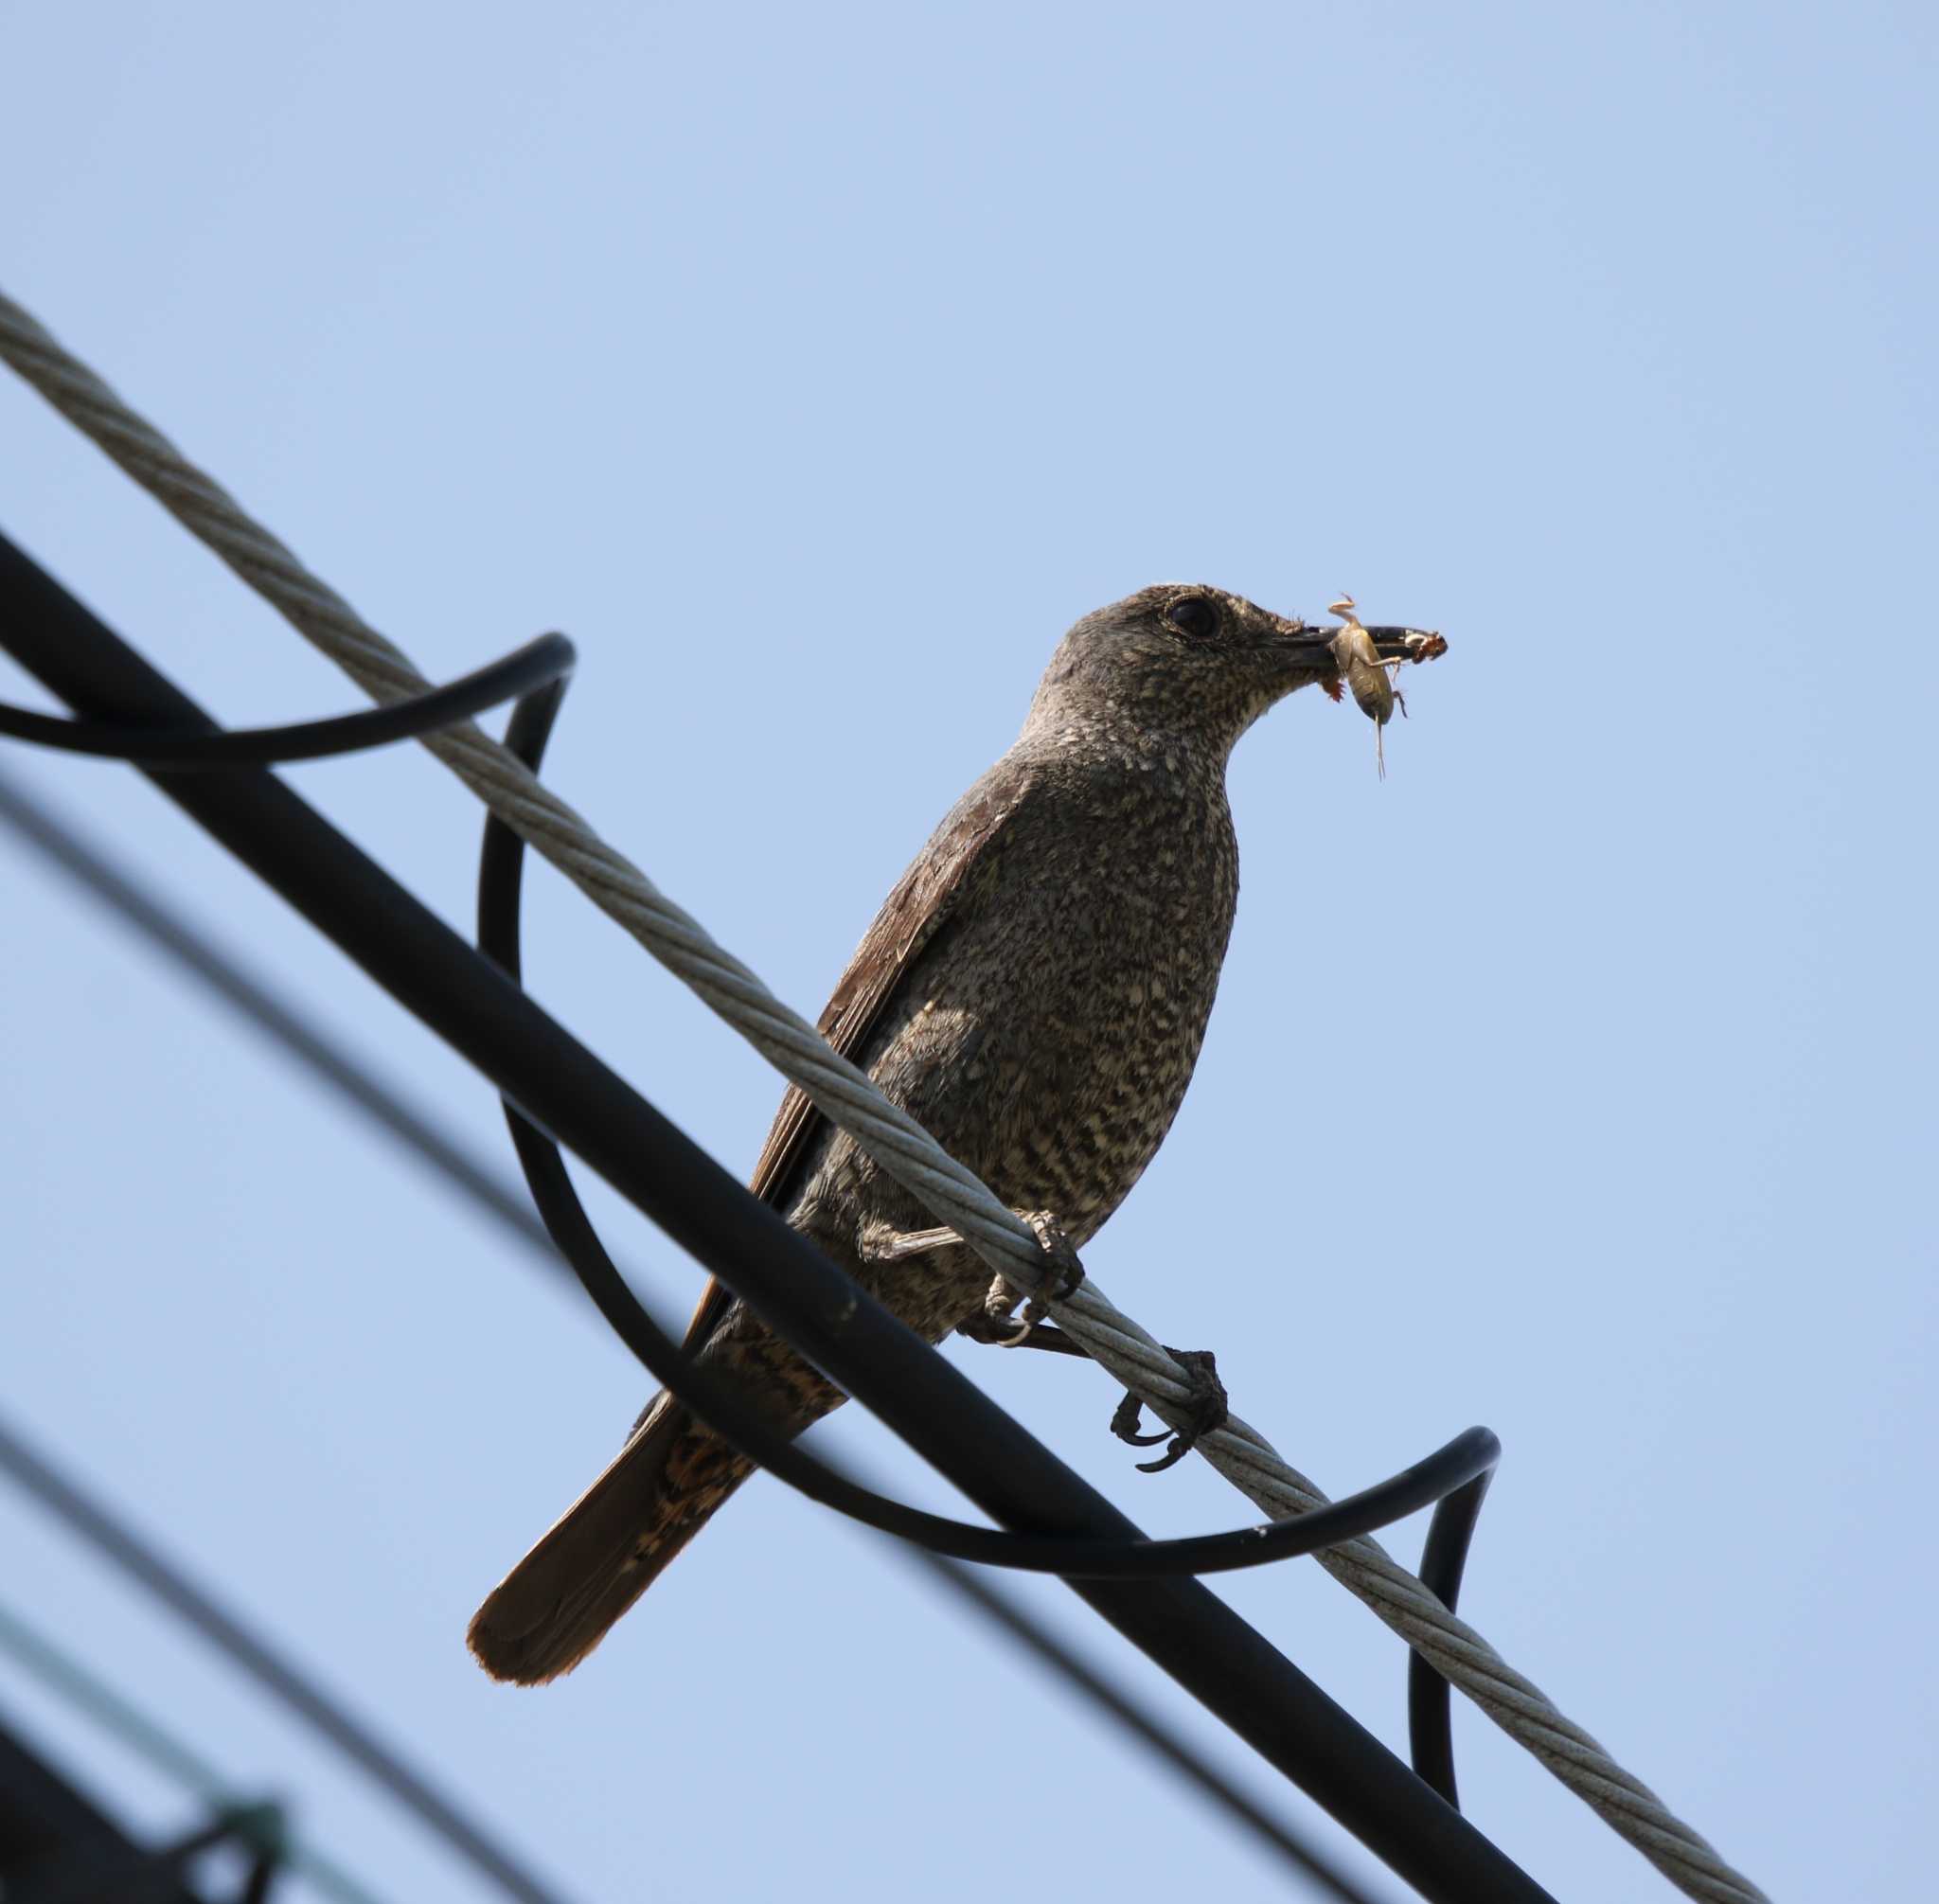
<point x="847" y="1098"/>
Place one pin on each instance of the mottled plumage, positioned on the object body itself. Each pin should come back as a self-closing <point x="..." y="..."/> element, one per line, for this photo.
<point x="1035" y="992"/>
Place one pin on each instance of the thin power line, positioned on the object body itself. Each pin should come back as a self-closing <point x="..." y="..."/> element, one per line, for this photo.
<point x="83" y="1688"/>
<point x="301" y="1039"/>
<point x="973" y="1588"/>
<point x="110" y="1537"/>
<point x="282" y="1022"/>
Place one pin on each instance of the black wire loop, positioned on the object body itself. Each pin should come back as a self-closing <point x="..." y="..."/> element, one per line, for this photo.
<point x="527" y="670"/>
<point x="1440" y="1477"/>
<point x="1443" y="1554"/>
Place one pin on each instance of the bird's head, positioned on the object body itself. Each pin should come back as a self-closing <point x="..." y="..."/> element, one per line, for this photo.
<point x="1178" y="660"/>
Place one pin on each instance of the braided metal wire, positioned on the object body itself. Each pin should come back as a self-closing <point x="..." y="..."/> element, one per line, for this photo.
<point x="844" y="1094"/>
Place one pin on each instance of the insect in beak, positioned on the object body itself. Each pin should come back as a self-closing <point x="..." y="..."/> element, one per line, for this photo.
<point x="1363" y="659"/>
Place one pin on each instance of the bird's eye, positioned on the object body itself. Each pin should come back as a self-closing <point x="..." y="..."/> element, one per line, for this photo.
<point x="1194" y="617"/>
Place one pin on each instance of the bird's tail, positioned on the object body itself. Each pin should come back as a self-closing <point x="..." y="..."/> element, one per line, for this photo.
<point x="607" y="1548"/>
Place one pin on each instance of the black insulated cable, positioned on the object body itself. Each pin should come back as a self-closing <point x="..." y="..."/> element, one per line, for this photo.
<point x="550" y="658"/>
<point x="569" y="1094"/>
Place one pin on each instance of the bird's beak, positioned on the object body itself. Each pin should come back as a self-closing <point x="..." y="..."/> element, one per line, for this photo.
<point x="1302" y="647"/>
<point x="1408" y="644"/>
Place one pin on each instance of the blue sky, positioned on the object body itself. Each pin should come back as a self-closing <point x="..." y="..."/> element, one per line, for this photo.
<point x="814" y="369"/>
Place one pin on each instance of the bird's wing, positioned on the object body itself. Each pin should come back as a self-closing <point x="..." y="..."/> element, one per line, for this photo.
<point x="936" y="885"/>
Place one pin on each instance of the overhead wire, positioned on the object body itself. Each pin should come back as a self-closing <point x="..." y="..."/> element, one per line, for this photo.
<point x="840" y="1091"/>
<point x="535" y="1063"/>
<point x="141" y="1560"/>
<point x="87" y="1691"/>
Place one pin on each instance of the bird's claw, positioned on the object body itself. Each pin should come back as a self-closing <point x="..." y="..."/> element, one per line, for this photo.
<point x="997" y="1323"/>
<point x="1065" y="1278"/>
<point x="993" y="1323"/>
<point x="1067" y="1273"/>
<point x="1207" y="1409"/>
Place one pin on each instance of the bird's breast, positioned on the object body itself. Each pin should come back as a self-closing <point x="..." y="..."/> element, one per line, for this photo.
<point x="1048" y="1040"/>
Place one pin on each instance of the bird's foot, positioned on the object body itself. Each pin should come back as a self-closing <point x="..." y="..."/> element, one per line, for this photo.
<point x="1207" y="1411"/>
<point x="880" y="1244"/>
<point x="995" y="1323"/>
<point x="1066" y="1272"/>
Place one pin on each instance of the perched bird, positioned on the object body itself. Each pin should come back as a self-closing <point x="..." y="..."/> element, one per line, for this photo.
<point x="1034" y="992"/>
